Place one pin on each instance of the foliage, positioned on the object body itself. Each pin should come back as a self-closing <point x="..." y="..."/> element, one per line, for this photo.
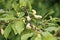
<point x="29" y="20"/>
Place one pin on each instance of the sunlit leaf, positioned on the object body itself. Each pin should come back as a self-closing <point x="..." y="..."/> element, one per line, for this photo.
<point x="26" y="36"/>
<point x="13" y="27"/>
<point x="48" y="36"/>
<point x="38" y="37"/>
<point x="19" y="26"/>
<point x="20" y="14"/>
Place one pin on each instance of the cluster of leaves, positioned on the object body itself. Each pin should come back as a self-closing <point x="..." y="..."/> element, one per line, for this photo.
<point x="19" y="20"/>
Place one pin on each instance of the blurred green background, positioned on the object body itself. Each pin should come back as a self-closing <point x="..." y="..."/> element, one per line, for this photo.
<point x="47" y="7"/>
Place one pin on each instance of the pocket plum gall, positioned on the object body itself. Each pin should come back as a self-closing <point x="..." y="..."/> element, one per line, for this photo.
<point x="37" y="16"/>
<point x="28" y="18"/>
<point x="34" y="12"/>
<point x="28" y="26"/>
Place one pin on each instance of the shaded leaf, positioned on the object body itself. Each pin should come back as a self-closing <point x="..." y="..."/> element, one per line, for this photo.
<point x="50" y="29"/>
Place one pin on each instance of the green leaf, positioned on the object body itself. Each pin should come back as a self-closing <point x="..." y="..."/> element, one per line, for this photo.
<point x="51" y="11"/>
<point x="29" y="6"/>
<point x="18" y="37"/>
<point x="13" y="27"/>
<point x="48" y="36"/>
<point x="23" y="3"/>
<point x="20" y="14"/>
<point x="8" y="5"/>
<point x="16" y="7"/>
<point x="26" y="36"/>
<point x="7" y="17"/>
<point x="38" y="37"/>
<point x="7" y="30"/>
<point x="50" y="29"/>
<point x="2" y="11"/>
<point x="19" y="26"/>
